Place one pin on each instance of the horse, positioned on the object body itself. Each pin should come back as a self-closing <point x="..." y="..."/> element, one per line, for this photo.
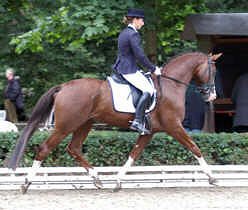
<point x="80" y="103"/>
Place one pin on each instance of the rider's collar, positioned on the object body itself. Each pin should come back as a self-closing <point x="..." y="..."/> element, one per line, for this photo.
<point x="132" y="26"/>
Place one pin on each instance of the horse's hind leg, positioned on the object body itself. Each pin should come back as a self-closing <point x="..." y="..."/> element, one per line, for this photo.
<point x="44" y="149"/>
<point x="31" y="174"/>
<point x="75" y="150"/>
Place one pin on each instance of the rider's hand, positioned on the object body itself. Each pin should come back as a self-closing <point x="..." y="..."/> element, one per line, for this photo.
<point x="157" y="71"/>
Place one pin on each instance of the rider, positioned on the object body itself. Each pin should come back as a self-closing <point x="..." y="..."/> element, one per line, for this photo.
<point x="130" y="51"/>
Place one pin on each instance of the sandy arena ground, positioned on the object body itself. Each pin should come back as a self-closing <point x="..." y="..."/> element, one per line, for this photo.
<point x="136" y="199"/>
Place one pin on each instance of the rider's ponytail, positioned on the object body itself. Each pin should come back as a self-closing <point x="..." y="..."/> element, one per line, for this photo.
<point x="127" y="20"/>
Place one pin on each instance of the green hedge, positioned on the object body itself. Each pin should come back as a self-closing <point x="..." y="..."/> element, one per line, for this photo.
<point x="111" y="148"/>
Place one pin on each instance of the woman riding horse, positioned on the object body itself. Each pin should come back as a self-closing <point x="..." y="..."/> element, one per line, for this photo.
<point x="130" y="50"/>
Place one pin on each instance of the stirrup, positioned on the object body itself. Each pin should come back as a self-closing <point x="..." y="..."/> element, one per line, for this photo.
<point x="140" y="128"/>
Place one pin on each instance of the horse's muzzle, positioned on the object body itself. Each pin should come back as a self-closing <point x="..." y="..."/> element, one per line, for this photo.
<point x="208" y="94"/>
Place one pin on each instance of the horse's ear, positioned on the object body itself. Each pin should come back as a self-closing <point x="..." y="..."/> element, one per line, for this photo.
<point x="215" y="57"/>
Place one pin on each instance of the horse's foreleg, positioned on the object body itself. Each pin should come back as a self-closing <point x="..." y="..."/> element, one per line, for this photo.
<point x="206" y="169"/>
<point x="122" y="173"/>
<point x="181" y="135"/>
<point x="74" y="149"/>
<point x="135" y="153"/>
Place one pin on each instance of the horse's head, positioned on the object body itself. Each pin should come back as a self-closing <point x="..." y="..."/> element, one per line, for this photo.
<point x="205" y="77"/>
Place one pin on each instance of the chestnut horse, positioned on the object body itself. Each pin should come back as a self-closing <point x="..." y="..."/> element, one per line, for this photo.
<point x="80" y="103"/>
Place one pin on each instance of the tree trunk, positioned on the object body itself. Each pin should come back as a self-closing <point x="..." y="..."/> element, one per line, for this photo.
<point x="151" y="45"/>
<point x="151" y="34"/>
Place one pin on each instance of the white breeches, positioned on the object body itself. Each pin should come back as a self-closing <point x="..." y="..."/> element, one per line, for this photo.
<point x="139" y="81"/>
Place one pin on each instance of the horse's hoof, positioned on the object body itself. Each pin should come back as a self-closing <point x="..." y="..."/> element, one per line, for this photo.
<point x="213" y="181"/>
<point x="24" y="188"/>
<point x="117" y="187"/>
<point x="98" y="183"/>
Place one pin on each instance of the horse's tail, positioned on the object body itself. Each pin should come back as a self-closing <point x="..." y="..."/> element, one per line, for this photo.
<point x="40" y="113"/>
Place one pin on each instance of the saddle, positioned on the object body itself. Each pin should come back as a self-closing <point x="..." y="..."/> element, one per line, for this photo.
<point x="125" y="96"/>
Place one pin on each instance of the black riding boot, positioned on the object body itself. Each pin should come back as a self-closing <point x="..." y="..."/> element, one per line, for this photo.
<point x="138" y="122"/>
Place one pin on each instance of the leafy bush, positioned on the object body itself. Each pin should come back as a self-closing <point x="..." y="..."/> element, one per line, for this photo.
<point x="111" y="148"/>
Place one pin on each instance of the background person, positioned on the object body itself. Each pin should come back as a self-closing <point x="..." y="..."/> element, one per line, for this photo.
<point x="13" y="97"/>
<point x="194" y="111"/>
<point x="240" y="101"/>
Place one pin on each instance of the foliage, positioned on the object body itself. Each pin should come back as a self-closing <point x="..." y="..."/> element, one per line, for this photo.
<point x="171" y="16"/>
<point x="111" y="148"/>
<point x="227" y="6"/>
<point x="75" y="23"/>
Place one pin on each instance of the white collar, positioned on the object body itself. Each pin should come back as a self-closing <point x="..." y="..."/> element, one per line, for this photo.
<point x="132" y="26"/>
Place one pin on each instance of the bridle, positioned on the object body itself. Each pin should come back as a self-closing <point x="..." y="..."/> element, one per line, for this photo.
<point x="203" y="89"/>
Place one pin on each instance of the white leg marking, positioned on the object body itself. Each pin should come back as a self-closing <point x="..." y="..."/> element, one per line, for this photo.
<point x="93" y="172"/>
<point x="125" y="168"/>
<point x="11" y="172"/>
<point x="205" y="166"/>
<point x="34" y="169"/>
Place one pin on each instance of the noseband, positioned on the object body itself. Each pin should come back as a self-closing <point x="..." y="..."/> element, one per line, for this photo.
<point x="203" y="89"/>
<point x="209" y="87"/>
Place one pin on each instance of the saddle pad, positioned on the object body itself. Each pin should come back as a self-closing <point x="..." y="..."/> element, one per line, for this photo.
<point x="122" y="98"/>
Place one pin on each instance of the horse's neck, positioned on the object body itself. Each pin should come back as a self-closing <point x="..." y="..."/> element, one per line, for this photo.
<point x="182" y="75"/>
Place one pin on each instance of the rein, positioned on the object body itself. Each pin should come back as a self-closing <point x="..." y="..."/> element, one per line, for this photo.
<point x="204" y="87"/>
<point x="178" y="81"/>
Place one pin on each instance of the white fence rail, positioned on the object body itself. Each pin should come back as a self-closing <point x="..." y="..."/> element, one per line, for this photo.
<point x="137" y="177"/>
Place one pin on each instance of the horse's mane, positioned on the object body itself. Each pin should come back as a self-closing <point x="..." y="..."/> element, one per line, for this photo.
<point x="181" y="54"/>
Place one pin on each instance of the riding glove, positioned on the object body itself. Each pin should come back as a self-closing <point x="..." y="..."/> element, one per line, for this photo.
<point x="157" y="71"/>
